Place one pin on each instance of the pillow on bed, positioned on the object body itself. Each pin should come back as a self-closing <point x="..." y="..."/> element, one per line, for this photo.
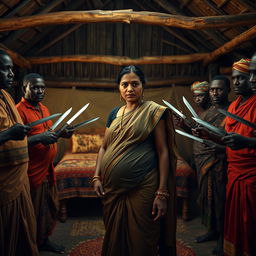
<point x="86" y="143"/>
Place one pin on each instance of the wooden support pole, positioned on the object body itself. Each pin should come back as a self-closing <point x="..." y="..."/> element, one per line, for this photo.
<point x="153" y="18"/>
<point x="229" y="46"/>
<point x="120" y="60"/>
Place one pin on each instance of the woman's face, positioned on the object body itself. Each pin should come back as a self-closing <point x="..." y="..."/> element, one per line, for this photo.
<point x="131" y="88"/>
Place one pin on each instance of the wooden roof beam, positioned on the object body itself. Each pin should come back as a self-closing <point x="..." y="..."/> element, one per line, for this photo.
<point x="17" y="58"/>
<point x="229" y="46"/>
<point x="120" y="60"/>
<point x="163" y="19"/>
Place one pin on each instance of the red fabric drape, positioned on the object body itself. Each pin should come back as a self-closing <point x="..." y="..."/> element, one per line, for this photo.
<point x="240" y="215"/>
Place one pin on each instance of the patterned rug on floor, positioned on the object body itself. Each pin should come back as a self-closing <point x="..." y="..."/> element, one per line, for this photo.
<point x="93" y="248"/>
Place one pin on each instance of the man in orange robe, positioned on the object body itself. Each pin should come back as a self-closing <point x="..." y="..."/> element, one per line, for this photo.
<point x="240" y="212"/>
<point x="42" y="151"/>
<point x="17" y="219"/>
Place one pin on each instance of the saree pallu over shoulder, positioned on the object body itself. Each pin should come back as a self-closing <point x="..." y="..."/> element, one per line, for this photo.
<point x="11" y="152"/>
<point x="129" y="162"/>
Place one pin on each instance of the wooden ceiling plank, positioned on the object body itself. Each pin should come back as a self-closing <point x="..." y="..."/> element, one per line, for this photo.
<point x="174" y="10"/>
<point x="17" y="58"/>
<point x="181" y="38"/>
<point x="13" y="36"/>
<point x="18" y="7"/>
<point x="215" y="8"/>
<point x="6" y="5"/>
<point x="58" y="38"/>
<point x="39" y="2"/>
<point x="185" y="4"/>
<point x="229" y="46"/>
<point x="214" y="35"/>
<point x="120" y="60"/>
<point x="248" y="4"/>
<point x="222" y="3"/>
<point x="175" y="45"/>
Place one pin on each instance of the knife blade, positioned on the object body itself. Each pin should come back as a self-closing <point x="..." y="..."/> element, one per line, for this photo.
<point x="207" y="142"/>
<point x="42" y="120"/>
<point x="61" y="118"/>
<point x="78" y="113"/>
<point x="237" y="118"/>
<point x="85" y="122"/>
<point x="212" y="128"/>
<point x="174" y="109"/>
<point x="192" y="111"/>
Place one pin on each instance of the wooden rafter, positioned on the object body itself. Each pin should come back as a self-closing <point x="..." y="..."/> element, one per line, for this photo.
<point x="120" y="60"/>
<point x="45" y="32"/>
<point x="163" y="19"/>
<point x="175" y="45"/>
<point x="19" y="6"/>
<point x="58" y="38"/>
<point x="212" y="35"/>
<point x="17" y="58"/>
<point x="45" y="9"/>
<point x="229" y="46"/>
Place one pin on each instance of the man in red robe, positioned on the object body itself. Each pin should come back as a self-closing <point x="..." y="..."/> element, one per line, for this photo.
<point x="240" y="211"/>
<point x="42" y="151"/>
<point x="17" y="218"/>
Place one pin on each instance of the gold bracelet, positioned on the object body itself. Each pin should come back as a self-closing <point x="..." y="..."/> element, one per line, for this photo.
<point x="162" y="194"/>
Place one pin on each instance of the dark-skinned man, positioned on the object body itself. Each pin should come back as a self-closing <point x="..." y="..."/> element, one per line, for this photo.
<point x="42" y="151"/>
<point x="212" y="165"/>
<point x="17" y="219"/>
<point x="240" y="212"/>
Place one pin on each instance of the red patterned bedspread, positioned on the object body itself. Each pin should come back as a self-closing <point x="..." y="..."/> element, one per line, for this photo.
<point x="74" y="173"/>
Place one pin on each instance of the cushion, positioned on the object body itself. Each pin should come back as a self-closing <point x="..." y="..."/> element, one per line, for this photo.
<point x="86" y="143"/>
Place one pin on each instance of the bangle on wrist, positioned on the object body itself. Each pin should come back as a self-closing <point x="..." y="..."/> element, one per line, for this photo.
<point x="95" y="178"/>
<point x="162" y="194"/>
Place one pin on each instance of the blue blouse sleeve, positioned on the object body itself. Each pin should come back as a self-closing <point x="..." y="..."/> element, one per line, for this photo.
<point x="112" y="116"/>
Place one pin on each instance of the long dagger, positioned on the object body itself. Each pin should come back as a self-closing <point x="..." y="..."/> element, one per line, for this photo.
<point x="237" y="118"/>
<point x="174" y="109"/>
<point x="85" y="122"/>
<point x="192" y="111"/>
<point x="212" y="128"/>
<point x="207" y="142"/>
<point x="62" y="117"/>
<point x="42" y="120"/>
<point x="78" y="113"/>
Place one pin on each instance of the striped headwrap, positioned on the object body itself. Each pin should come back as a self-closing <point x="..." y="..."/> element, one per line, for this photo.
<point x="242" y="66"/>
<point x="200" y="87"/>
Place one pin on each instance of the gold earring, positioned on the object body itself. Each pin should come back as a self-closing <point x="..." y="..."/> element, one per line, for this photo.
<point x="121" y="99"/>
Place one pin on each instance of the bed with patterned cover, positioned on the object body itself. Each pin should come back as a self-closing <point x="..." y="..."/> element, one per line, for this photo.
<point x="76" y="168"/>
